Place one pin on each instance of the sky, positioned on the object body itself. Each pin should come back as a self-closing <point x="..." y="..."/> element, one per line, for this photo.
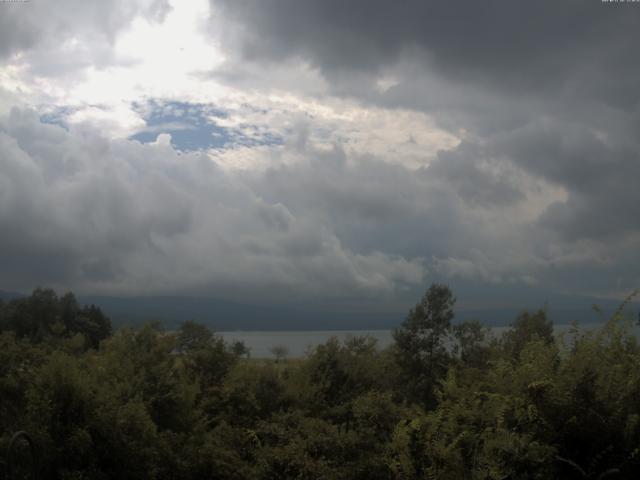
<point x="321" y="151"/>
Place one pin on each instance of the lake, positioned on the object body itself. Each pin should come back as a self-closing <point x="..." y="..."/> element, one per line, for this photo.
<point x="299" y="342"/>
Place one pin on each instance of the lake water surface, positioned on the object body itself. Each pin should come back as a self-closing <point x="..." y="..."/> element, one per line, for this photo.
<point x="299" y="342"/>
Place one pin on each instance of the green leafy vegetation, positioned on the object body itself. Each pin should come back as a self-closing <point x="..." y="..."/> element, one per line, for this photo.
<point x="449" y="401"/>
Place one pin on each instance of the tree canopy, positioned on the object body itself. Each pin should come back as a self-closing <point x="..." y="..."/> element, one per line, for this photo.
<point x="448" y="401"/>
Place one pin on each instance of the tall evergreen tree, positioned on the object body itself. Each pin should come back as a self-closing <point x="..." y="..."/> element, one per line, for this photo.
<point x="421" y="342"/>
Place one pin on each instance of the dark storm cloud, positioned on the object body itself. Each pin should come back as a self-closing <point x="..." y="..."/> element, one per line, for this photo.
<point x="372" y="205"/>
<point x="477" y="180"/>
<point x="600" y="178"/>
<point x="541" y="188"/>
<point x="547" y="87"/>
<point x="483" y="66"/>
<point x="533" y="46"/>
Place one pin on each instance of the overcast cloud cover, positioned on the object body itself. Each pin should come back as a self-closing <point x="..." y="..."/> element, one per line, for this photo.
<point x="320" y="149"/>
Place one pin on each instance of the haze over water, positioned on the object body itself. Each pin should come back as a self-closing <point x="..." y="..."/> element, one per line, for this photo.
<point x="298" y="343"/>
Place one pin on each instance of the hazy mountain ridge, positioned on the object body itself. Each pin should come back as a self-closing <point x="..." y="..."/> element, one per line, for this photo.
<point x="223" y="315"/>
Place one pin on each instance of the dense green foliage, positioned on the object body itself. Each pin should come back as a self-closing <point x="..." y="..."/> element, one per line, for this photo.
<point x="447" y="401"/>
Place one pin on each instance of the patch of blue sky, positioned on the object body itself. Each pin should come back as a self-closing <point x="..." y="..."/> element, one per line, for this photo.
<point x="254" y="138"/>
<point x="58" y="115"/>
<point x="193" y="127"/>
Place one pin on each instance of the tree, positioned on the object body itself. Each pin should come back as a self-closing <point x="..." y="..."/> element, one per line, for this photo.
<point x="471" y="343"/>
<point x="43" y="315"/>
<point x="32" y="317"/>
<point x="193" y="336"/>
<point x="421" y="342"/>
<point x="239" y="349"/>
<point x="204" y="354"/>
<point x="280" y="352"/>
<point x="93" y="324"/>
<point x="526" y="328"/>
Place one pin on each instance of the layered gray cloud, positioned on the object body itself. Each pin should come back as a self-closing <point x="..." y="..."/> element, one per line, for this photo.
<point x="357" y="150"/>
<point x="600" y="178"/>
<point x="544" y="94"/>
<point x="537" y="46"/>
<point x="82" y="211"/>
<point x="482" y="66"/>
